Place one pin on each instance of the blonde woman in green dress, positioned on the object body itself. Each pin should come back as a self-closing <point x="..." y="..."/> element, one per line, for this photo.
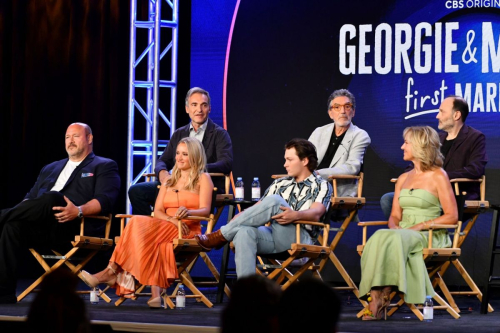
<point x="392" y="258"/>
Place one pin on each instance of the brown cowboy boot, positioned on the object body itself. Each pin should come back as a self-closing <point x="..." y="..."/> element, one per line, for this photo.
<point x="211" y="240"/>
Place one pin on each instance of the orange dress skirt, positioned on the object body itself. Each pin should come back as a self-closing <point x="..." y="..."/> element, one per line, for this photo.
<point x="145" y="250"/>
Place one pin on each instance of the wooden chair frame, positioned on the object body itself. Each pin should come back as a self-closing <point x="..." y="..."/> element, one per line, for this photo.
<point x="94" y="244"/>
<point x="352" y="205"/>
<point x="474" y="207"/>
<point x="218" y="206"/>
<point x="281" y="268"/>
<point x="434" y="259"/>
<point x="186" y="251"/>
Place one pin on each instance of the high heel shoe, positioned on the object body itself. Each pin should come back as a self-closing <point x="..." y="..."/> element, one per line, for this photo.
<point x="91" y="281"/>
<point x="368" y="315"/>
<point x="155" y="303"/>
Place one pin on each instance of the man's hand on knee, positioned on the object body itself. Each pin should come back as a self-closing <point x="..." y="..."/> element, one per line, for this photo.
<point x="287" y="217"/>
<point x="67" y="213"/>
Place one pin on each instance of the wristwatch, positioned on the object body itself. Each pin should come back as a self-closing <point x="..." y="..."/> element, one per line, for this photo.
<point x="80" y="213"/>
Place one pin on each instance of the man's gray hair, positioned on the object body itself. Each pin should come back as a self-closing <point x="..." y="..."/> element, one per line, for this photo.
<point x="339" y="93"/>
<point x="197" y="90"/>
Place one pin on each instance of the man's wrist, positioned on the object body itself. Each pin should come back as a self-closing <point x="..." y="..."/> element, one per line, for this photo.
<point x="80" y="212"/>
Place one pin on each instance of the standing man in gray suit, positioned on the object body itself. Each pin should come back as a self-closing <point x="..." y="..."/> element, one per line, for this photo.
<point x="341" y="145"/>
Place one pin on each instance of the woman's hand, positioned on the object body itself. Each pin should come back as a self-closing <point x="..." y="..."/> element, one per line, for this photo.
<point x="184" y="226"/>
<point x="182" y="212"/>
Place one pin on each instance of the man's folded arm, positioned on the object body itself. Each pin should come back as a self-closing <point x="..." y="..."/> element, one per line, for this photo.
<point x="224" y="151"/>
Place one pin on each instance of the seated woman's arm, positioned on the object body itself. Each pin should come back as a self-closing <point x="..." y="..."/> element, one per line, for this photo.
<point x="159" y="210"/>
<point x="397" y="212"/>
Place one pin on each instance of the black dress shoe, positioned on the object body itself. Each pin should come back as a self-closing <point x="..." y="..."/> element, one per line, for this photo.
<point x="211" y="240"/>
<point x="8" y="299"/>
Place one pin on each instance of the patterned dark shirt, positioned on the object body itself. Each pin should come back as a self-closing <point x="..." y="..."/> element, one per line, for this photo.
<point x="301" y="195"/>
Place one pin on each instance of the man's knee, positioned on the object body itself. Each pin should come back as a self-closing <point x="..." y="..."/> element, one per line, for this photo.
<point x="245" y="236"/>
<point x="141" y="191"/>
<point x="275" y="200"/>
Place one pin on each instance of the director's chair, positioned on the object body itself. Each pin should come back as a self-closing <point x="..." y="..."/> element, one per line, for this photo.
<point x="81" y="242"/>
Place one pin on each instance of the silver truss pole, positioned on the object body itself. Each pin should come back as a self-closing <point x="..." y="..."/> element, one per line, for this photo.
<point x="148" y="147"/>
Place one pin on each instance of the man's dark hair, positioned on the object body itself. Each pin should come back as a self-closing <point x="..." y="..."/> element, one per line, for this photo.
<point x="460" y="104"/>
<point x="304" y="149"/>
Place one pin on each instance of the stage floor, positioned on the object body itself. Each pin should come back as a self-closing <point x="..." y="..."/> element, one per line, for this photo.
<point x="135" y="316"/>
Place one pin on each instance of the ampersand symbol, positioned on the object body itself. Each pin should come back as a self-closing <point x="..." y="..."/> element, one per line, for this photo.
<point x="468" y="51"/>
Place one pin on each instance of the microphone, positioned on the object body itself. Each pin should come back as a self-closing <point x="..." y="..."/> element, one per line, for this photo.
<point x="174" y="190"/>
<point x="411" y="190"/>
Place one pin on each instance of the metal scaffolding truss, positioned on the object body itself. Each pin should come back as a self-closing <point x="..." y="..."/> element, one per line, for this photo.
<point x="145" y="83"/>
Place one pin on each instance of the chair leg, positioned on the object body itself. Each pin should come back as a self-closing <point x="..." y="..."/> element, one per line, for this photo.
<point x="447" y="306"/>
<point x="472" y="285"/>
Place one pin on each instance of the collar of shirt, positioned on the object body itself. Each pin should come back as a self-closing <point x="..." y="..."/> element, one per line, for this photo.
<point x="202" y="128"/>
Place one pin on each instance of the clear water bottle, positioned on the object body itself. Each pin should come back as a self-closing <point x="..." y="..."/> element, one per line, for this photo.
<point x="255" y="189"/>
<point x="94" y="296"/>
<point x="428" y="309"/>
<point x="180" y="298"/>
<point x="239" y="190"/>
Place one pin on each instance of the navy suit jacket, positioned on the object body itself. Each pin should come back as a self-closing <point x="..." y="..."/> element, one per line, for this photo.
<point x="95" y="178"/>
<point x="217" y="144"/>
<point x="466" y="158"/>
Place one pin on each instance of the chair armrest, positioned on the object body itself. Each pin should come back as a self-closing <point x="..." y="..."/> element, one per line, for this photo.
<point x="465" y="180"/>
<point x="278" y="176"/>
<point x="344" y="177"/>
<point x="106" y="218"/>
<point x="326" y="230"/>
<point x="456" y="237"/>
<point x="365" y="226"/>
<point x="369" y="224"/>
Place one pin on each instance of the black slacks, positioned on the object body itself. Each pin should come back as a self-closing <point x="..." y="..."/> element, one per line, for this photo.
<point x="30" y="224"/>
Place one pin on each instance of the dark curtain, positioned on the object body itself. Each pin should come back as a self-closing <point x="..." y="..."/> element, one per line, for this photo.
<point x="61" y="62"/>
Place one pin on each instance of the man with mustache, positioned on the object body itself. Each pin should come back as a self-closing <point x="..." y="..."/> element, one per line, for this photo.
<point x="341" y="145"/>
<point x="81" y="185"/>
<point x="215" y="140"/>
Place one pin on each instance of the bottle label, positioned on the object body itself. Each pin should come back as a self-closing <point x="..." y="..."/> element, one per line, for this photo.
<point x="94" y="299"/>
<point x="428" y="313"/>
<point x="255" y="192"/>
<point x="180" y="301"/>
<point x="239" y="193"/>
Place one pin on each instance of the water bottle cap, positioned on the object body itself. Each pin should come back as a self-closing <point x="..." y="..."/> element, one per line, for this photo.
<point x="239" y="178"/>
<point x="255" y="178"/>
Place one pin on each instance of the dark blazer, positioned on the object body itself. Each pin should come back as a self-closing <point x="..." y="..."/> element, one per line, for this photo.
<point x="95" y="178"/>
<point x="466" y="158"/>
<point x="217" y="144"/>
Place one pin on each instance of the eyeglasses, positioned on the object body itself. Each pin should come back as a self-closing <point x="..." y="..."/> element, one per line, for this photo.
<point x="347" y="107"/>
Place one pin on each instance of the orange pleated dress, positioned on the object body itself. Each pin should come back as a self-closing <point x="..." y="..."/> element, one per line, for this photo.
<point x="145" y="250"/>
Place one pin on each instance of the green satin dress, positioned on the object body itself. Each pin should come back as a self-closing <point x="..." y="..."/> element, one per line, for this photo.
<point x="393" y="257"/>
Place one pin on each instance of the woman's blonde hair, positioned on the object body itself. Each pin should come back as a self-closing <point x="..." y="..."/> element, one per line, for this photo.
<point x="197" y="160"/>
<point x="426" y="146"/>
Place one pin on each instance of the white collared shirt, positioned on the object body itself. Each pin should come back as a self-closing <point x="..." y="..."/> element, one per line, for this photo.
<point x="200" y="133"/>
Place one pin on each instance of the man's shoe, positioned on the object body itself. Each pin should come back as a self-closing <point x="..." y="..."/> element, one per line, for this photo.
<point x="8" y="299"/>
<point x="211" y="240"/>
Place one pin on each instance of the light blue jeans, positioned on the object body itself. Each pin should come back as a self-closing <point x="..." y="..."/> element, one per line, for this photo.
<point x="386" y="204"/>
<point x="250" y="236"/>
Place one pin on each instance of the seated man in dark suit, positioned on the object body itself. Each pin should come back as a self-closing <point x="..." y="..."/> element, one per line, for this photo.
<point x="215" y="140"/>
<point x="82" y="184"/>
<point x="463" y="148"/>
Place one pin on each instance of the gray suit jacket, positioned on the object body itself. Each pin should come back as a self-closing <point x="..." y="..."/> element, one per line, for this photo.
<point x="349" y="156"/>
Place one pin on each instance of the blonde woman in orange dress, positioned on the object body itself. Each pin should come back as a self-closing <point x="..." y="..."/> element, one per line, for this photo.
<point x="145" y="251"/>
